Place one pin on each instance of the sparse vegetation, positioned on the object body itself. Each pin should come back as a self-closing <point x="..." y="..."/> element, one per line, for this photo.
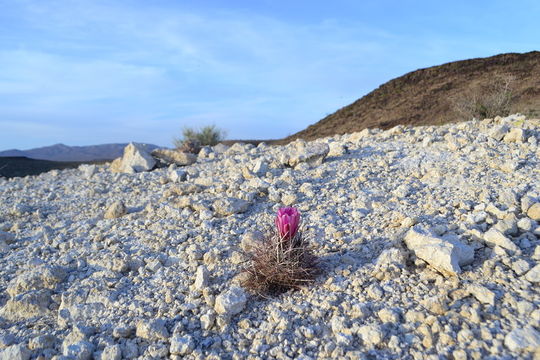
<point x="192" y="139"/>
<point x="282" y="261"/>
<point x="486" y="100"/>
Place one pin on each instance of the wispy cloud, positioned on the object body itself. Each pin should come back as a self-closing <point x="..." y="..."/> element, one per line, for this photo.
<point x="127" y="70"/>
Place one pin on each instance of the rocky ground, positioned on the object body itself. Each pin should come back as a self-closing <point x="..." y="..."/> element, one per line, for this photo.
<point x="428" y="239"/>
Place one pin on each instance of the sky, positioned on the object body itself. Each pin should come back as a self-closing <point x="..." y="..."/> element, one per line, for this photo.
<point x="93" y="72"/>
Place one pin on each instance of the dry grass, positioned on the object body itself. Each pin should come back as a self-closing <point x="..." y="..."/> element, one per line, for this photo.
<point x="277" y="265"/>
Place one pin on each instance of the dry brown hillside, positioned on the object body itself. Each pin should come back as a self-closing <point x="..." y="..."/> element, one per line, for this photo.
<point x="425" y="96"/>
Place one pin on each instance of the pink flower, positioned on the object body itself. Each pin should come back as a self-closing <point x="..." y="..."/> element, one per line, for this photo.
<point x="287" y="221"/>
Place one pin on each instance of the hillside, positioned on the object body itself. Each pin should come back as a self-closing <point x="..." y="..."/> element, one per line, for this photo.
<point x="426" y="96"/>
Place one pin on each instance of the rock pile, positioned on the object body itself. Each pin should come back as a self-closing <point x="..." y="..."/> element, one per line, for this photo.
<point x="428" y="238"/>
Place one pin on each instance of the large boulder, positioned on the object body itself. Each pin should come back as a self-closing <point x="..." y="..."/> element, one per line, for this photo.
<point x="446" y="256"/>
<point x="136" y="158"/>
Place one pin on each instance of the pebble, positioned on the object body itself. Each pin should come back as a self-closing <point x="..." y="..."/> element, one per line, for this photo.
<point x="427" y="249"/>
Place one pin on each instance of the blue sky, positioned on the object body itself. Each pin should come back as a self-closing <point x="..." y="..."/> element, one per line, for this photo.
<point x="92" y="72"/>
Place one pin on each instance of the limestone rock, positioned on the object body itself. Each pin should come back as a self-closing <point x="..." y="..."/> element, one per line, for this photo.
<point x="371" y="335"/>
<point x="7" y="237"/>
<point x="251" y="239"/>
<point x="231" y="302"/>
<point x="526" y="339"/>
<point x="482" y="294"/>
<point x="534" y="212"/>
<point x="43" y="277"/>
<point x="201" y="278"/>
<point x="152" y="330"/>
<point x="182" y="345"/>
<point x="136" y="158"/>
<point x="446" y="256"/>
<point x="228" y="206"/>
<point x="515" y="135"/>
<point x="174" y="157"/>
<point x="115" y="210"/>
<point x="28" y="305"/>
<point x="15" y="352"/>
<point x="533" y="275"/>
<point x="112" y="352"/>
<point x="312" y="153"/>
<point x="494" y="237"/>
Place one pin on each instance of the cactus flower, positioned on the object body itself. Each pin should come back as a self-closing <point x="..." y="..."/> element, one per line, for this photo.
<point x="287" y="221"/>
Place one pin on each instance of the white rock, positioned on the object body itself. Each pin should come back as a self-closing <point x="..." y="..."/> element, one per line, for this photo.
<point x="526" y="339"/>
<point x="112" y="352"/>
<point x="115" y="210"/>
<point x="136" y="158"/>
<point x="482" y="294"/>
<point x="533" y="275"/>
<point x="153" y="330"/>
<point x="177" y="175"/>
<point x="534" y="211"/>
<point x="7" y="237"/>
<point x="231" y="302"/>
<point x="15" y="352"/>
<point x="312" y="153"/>
<point x="174" y="157"/>
<point x="201" y="278"/>
<point x="182" y="345"/>
<point x="494" y="237"/>
<point x="228" y="206"/>
<point x="371" y="335"/>
<point x="88" y="170"/>
<point x="446" y="256"/>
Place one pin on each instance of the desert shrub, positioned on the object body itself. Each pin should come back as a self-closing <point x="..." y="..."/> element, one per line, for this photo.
<point x="281" y="262"/>
<point x="206" y="136"/>
<point x="486" y="100"/>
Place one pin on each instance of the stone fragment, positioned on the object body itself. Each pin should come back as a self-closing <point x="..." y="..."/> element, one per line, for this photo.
<point x="533" y="275"/>
<point x="81" y="350"/>
<point x="525" y="224"/>
<point x="446" y="256"/>
<point x="174" y="157"/>
<point x="494" y="237"/>
<point x="201" y="278"/>
<point x="250" y="240"/>
<point x="312" y="153"/>
<point x="499" y="131"/>
<point x="231" y="302"/>
<point x="115" y="210"/>
<point x="482" y="294"/>
<point x="177" y="175"/>
<point x="15" y="352"/>
<point x="42" y="342"/>
<point x="525" y="339"/>
<point x="7" y="237"/>
<point x="152" y="330"/>
<point x="229" y="206"/>
<point x="136" y="158"/>
<point x="88" y="170"/>
<point x="42" y="277"/>
<point x="371" y="335"/>
<point x="112" y="352"/>
<point x="182" y="345"/>
<point x="520" y="267"/>
<point x="534" y="211"/>
<point x="515" y="135"/>
<point x="28" y="305"/>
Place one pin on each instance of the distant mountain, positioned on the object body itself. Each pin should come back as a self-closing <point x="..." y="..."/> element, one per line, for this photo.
<point x="61" y="152"/>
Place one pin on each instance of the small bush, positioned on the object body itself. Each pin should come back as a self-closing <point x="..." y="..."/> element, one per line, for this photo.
<point x="206" y="136"/>
<point x="280" y="263"/>
<point x="487" y="100"/>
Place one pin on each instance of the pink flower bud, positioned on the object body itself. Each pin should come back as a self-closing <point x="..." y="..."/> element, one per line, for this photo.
<point x="287" y="221"/>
